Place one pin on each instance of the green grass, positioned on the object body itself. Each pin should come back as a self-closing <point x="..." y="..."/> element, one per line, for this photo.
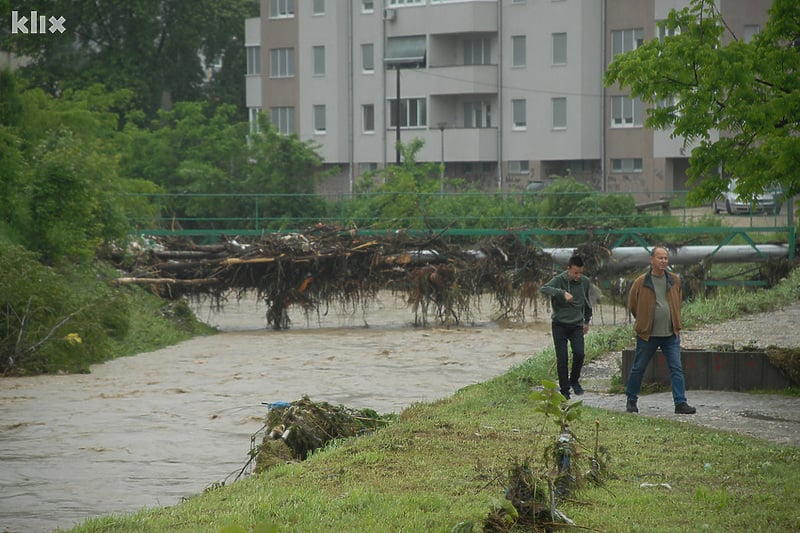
<point x="446" y="463"/>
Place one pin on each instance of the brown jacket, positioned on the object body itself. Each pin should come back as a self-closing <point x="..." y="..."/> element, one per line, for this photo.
<point x="642" y="303"/>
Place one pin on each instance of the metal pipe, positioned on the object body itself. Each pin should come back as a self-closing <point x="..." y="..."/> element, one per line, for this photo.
<point x="637" y="256"/>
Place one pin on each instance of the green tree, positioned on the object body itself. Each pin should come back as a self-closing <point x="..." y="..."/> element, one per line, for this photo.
<point x="714" y="81"/>
<point x="188" y="134"/>
<point x="164" y="50"/>
<point x="567" y="203"/>
<point x="283" y="165"/>
<point x="73" y="199"/>
<point x="199" y="150"/>
<point x="59" y="187"/>
<point x="398" y="198"/>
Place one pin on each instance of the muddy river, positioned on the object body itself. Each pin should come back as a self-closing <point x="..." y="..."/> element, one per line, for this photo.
<point x="152" y="429"/>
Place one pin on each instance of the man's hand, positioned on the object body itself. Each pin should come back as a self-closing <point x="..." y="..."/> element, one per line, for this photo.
<point x="568" y="296"/>
<point x="585" y="329"/>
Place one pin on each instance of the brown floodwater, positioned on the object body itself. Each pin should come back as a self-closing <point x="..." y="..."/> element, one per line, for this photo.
<point x="152" y="429"/>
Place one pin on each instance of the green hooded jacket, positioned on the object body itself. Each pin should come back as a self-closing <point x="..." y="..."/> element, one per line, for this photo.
<point x="576" y="312"/>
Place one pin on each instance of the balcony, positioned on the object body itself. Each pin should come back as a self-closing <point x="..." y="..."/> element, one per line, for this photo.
<point x="460" y="144"/>
<point x="437" y="81"/>
<point x="441" y="18"/>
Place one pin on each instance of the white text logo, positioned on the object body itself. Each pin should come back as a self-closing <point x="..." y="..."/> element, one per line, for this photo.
<point x="38" y="23"/>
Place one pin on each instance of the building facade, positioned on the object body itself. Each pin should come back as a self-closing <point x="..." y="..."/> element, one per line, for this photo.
<point x="503" y="92"/>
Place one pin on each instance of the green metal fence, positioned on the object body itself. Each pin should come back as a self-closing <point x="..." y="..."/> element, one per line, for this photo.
<point x="546" y="219"/>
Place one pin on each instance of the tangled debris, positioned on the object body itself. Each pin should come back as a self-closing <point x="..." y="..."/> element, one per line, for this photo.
<point x="295" y="430"/>
<point x="331" y="266"/>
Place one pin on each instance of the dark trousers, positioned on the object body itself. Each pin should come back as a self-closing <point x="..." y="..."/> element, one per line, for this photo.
<point x="562" y="334"/>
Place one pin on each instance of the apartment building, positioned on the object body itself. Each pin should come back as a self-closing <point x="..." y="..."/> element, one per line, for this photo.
<point x="503" y="92"/>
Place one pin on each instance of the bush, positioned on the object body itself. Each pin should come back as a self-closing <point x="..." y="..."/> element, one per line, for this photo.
<point x="46" y="326"/>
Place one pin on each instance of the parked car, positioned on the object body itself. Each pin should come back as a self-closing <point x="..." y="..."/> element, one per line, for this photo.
<point x="768" y="202"/>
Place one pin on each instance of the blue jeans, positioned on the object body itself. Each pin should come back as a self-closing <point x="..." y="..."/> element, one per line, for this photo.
<point x="645" y="349"/>
<point x="563" y="333"/>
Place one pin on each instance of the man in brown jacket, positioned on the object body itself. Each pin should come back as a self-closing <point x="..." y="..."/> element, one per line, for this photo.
<point x="655" y="303"/>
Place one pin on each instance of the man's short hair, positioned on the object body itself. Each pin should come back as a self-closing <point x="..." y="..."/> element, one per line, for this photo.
<point x="575" y="260"/>
<point x="653" y="251"/>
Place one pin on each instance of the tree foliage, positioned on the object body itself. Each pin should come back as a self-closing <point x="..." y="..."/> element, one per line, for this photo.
<point x="568" y="203"/>
<point x="58" y="181"/>
<point x="164" y="50"/>
<point x="713" y="82"/>
<point x="204" y="152"/>
<point x="394" y="197"/>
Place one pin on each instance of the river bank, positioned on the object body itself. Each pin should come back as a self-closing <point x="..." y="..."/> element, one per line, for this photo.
<point x="152" y="429"/>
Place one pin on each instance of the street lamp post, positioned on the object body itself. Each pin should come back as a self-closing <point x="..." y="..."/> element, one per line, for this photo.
<point x="397" y="114"/>
<point x="442" y="126"/>
<point x="402" y="52"/>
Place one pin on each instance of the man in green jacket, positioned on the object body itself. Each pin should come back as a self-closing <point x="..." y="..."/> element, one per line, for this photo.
<point x="655" y="303"/>
<point x="572" y="312"/>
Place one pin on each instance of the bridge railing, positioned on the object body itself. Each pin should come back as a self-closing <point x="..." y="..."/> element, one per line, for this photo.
<point x="462" y="210"/>
<point x="548" y="219"/>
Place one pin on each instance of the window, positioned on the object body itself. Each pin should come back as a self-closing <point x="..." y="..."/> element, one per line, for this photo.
<point x="319" y="7"/>
<point x="363" y="168"/>
<point x="367" y="6"/>
<point x="519" y="114"/>
<point x="281" y="8"/>
<point x="671" y="103"/>
<point x="368" y="118"/>
<point x="626" y="112"/>
<point x="559" y="113"/>
<point x="476" y="52"/>
<point x="663" y="32"/>
<point x="253" y="60"/>
<point x="413" y="113"/>
<point x="368" y="57"/>
<point x="626" y="40"/>
<point x="281" y="63"/>
<point x="580" y="166"/>
<point x="750" y="31"/>
<point x="626" y="165"/>
<point x="559" y="48"/>
<point x="519" y="167"/>
<point x="252" y="118"/>
<point x="319" y="60"/>
<point x="406" y="2"/>
<point x="519" y="52"/>
<point x="477" y="115"/>
<point x="406" y="51"/>
<point x="283" y="118"/>
<point x="319" y="119"/>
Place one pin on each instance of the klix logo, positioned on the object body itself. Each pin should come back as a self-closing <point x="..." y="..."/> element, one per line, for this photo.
<point x="36" y="23"/>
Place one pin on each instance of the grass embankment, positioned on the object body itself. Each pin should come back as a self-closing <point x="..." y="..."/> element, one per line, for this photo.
<point x="447" y="463"/>
<point x="69" y="317"/>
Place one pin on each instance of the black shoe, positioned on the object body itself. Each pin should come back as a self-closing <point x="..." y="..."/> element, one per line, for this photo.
<point x="631" y="407"/>
<point x="565" y="394"/>
<point x="577" y="389"/>
<point x="684" y="409"/>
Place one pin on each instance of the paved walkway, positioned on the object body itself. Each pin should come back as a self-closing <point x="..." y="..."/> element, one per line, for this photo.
<point x="774" y="418"/>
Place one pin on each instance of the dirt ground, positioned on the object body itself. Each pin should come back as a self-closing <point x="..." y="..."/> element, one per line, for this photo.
<point x="772" y="417"/>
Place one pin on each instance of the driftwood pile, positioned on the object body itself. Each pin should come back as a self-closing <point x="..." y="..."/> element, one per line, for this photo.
<point x="296" y="430"/>
<point x="326" y="266"/>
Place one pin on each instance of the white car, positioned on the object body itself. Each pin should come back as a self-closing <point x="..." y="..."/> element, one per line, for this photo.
<point x="768" y="202"/>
